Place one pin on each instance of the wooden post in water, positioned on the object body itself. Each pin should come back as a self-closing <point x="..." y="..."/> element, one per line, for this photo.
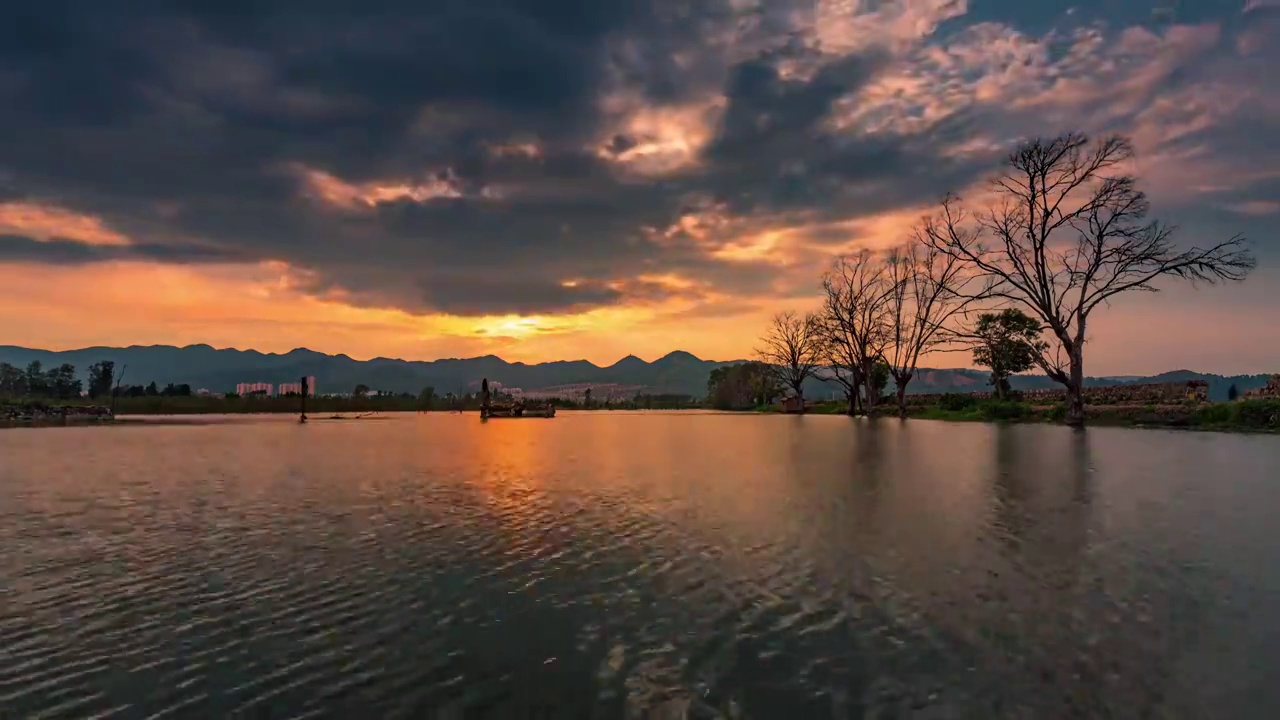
<point x="484" y="398"/>
<point x="115" y="391"/>
<point x="303" y="416"/>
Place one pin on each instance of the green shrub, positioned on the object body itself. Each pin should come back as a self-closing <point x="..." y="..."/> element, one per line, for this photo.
<point x="1256" y="413"/>
<point x="1215" y="414"/>
<point x="1057" y="413"/>
<point x="957" y="402"/>
<point x="1004" y="410"/>
<point x="1261" y="414"/>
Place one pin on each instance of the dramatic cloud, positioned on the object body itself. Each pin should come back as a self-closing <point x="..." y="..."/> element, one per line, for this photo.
<point x="652" y="163"/>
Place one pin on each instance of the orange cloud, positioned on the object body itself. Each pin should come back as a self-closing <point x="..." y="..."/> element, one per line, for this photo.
<point x="46" y="222"/>
<point x="844" y="26"/>
<point x="760" y="247"/>
<point x="336" y="192"/>
<point x="667" y="139"/>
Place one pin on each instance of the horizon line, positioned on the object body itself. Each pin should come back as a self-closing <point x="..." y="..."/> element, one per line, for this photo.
<point x="550" y="362"/>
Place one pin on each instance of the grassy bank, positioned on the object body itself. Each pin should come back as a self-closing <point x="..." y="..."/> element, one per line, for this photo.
<point x="1253" y="415"/>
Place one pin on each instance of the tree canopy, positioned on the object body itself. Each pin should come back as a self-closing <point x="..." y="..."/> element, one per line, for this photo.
<point x="1008" y="342"/>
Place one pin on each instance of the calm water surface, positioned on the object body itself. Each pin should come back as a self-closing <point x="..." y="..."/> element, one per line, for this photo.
<point x="637" y="565"/>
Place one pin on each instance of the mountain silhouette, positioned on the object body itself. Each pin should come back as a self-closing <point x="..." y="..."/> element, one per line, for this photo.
<point x="679" y="372"/>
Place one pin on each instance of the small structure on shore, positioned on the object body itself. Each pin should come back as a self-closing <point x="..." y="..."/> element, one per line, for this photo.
<point x="793" y="405"/>
<point x="515" y="409"/>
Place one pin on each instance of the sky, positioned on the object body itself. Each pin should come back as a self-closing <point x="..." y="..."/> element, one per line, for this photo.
<point x="569" y="179"/>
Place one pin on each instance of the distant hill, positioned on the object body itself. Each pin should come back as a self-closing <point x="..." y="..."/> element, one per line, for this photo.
<point x="202" y="366"/>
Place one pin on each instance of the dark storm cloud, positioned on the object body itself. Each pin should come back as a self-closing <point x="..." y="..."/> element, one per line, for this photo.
<point x="183" y="123"/>
<point x="188" y="124"/>
<point x="16" y="248"/>
<point x="523" y="296"/>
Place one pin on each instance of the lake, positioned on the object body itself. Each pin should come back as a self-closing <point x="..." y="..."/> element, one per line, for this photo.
<point x="603" y="565"/>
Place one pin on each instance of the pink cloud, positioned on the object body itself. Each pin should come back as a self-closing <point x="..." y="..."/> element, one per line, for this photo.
<point x="1255" y="207"/>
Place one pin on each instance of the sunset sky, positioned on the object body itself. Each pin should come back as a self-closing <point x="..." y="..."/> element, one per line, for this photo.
<point x="567" y="179"/>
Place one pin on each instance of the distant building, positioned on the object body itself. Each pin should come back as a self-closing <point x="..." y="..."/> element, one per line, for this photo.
<point x="295" y="388"/>
<point x="258" y="387"/>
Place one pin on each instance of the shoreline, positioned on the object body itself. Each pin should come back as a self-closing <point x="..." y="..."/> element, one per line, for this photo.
<point x="1254" y="416"/>
<point x="55" y="422"/>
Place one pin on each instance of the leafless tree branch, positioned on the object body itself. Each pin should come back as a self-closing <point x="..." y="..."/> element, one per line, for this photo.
<point x="793" y="347"/>
<point x="1067" y="236"/>
<point x="931" y="290"/>
<point x="854" y="318"/>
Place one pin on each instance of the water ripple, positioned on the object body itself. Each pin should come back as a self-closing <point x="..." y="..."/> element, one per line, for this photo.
<point x="432" y="566"/>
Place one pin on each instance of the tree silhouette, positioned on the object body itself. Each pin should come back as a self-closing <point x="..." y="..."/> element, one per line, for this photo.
<point x="1008" y="342"/>
<point x="1071" y="234"/>
<point x="854" y="322"/>
<point x="793" y="347"/>
<point x="101" y="378"/>
<point x="927" y="295"/>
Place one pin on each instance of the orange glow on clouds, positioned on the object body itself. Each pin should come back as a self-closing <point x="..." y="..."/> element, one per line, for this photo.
<point x="266" y="306"/>
<point x="257" y="307"/>
<point x="118" y="304"/>
<point x="334" y="191"/>
<point x="668" y="139"/>
<point x="46" y="222"/>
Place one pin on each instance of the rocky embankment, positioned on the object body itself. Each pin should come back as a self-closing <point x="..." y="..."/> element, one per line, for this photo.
<point x="1271" y="390"/>
<point x="35" y="414"/>
<point x="1177" y="393"/>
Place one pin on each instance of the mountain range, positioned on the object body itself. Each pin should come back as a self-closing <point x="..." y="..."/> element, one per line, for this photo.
<point x="202" y="366"/>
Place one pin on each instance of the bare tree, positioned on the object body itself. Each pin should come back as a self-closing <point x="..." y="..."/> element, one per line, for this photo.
<point x="1070" y="234"/>
<point x="838" y="357"/>
<point x="793" y="347"/>
<point x="854" y="321"/>
<point x="928" y="294"/>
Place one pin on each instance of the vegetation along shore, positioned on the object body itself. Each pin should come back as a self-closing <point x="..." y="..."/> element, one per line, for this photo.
<point x="753" y="386"/>
<point x="1172" y="405"/>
